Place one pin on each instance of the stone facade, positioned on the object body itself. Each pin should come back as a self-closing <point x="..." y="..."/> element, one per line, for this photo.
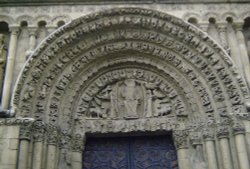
<point x="125" y="68"/>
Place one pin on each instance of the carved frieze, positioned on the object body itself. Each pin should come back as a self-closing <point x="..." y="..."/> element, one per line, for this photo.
<point x="132" y="125"/>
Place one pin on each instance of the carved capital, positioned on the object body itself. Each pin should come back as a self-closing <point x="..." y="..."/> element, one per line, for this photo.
<point x="65" y="138"/>
<point x="195" y="138"/>
<point x="222" y="27"/>
<point x="238" y="26"/>
<point x="38" y="130"/>
<point x="208" y="133"/>
<point x="14" y="30"/>
<point x="203" y="27"/>
<point x="25" y="129"/>
<point x="181" y="138"/>
<point x="78" y="143"/>
<point x="222" y="131"/>
<point x="52" y="134"/>
<point x="238" y="127"/>
<point x="32" y="31"/>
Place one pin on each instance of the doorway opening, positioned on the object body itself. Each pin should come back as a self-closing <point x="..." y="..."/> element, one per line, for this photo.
<point x="137" y="152"/>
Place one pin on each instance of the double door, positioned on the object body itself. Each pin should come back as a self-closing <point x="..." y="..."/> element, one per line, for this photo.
<point x="152" y="152"/>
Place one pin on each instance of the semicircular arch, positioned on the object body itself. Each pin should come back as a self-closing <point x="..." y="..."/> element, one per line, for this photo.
<point x="80" y="71"/>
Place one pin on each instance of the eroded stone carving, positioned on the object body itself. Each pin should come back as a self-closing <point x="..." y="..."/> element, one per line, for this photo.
<point x="174" y="29"/>
<point x="38" y="131"/>
<point x="128" y="99"/>
<point x="181" y="138"/>
<point x="124" y="126"/>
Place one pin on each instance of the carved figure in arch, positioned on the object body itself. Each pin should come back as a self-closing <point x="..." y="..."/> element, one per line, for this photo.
<point x="100" y="106"/>
<point x="157" y="102"/>
<point x="131" y="97"/>
<point x="3" y="56"/>
<point x="162" y="104"/>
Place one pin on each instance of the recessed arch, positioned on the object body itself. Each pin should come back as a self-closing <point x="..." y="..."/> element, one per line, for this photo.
<point x="56" y="76"/>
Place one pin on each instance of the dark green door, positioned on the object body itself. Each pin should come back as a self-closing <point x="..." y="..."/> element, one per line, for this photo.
<point x="156" y="152"/>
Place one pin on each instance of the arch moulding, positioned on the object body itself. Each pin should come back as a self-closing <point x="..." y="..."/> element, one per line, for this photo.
<point x="130" y="70"/>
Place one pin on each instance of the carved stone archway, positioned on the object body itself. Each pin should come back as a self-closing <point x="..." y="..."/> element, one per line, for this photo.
<point x="126" y="70"/>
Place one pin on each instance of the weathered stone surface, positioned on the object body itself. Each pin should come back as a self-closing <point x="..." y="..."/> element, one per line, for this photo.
<point x="125" y="70"/>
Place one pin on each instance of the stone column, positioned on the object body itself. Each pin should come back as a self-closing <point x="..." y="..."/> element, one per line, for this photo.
<point x="223" y="136"/>
<point x="234" y="50"/>
<point x="24" y="137"/>
<point x="52" y="140"/>
<point x="243" y="51"/>
<point x="222" y="28"/>
<point x="77" y="150"/>
<point x="208" y="135"/>
<point x="38" y="135"/>
<point x="239" y="136"/>
<point x="32" y="40"/>
<point x="213" y="32"/>
<point x="181" y="143"/>
<point x="9" y="68"/>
